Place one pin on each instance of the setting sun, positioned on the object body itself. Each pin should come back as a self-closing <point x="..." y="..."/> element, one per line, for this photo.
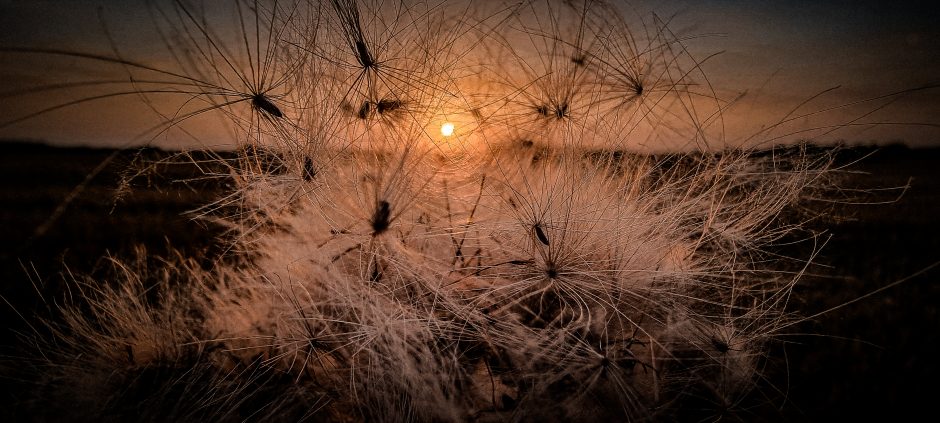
<point x="447" y="129"/>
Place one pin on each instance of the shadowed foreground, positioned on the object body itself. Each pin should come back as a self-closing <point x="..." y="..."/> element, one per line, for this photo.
<point x="872" y="358"/>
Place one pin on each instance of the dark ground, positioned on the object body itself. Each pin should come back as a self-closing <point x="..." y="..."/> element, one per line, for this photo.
<point x="877" y="358"/>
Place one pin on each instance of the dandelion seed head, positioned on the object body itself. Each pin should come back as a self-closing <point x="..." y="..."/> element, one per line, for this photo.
<point x="556" y="271"/>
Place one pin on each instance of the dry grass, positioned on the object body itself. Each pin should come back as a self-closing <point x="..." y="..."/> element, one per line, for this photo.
<point x="539" y="264"/>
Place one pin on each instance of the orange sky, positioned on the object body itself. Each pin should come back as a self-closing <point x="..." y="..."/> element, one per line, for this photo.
<point x="779" y="53"/>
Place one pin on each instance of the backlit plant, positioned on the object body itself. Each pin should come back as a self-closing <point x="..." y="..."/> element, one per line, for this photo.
<point x="532" y="261"/>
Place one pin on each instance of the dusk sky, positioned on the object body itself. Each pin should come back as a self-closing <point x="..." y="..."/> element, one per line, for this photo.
<point x="780" y="53"/>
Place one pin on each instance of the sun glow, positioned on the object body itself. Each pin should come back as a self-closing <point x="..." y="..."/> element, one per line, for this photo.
<point x="447" y="129"/>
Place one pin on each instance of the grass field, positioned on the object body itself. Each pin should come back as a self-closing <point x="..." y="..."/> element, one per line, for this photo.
<point x="875" y="357"/>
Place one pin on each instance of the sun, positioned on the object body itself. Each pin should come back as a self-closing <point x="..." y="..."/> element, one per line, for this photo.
<point x="447" y="129"/>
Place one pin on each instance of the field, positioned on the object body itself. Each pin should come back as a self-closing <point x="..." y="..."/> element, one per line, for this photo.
<point x="872" y="358"/>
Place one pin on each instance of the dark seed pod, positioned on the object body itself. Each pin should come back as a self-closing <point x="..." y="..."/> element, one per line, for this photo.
<point x="260" y="102"/>
<point x="364" y="110"/>
<point x="540" y="234"/>
<point x="365" y="59"/>
<point x="384" y="106"/>
<point x="562" y="110"/>
<point x="380" y="220"/>
<point x="551" y="272"/>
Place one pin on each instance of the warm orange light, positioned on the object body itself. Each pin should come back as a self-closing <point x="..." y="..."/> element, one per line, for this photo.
<point x="447" y="129"/>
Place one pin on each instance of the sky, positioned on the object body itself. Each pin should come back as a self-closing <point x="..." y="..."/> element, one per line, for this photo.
<point x="774" y="56"/>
